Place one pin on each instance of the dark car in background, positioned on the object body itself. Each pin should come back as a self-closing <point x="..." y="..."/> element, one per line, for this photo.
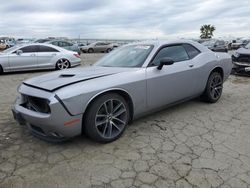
<point x="241" y="60"/>
<point x="216" y="45"/>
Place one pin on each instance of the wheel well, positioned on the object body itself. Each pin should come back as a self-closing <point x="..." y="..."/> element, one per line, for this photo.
<point x="122" y="93"/>
<point x="1" y="69"/>
<point x="219" y="70"/>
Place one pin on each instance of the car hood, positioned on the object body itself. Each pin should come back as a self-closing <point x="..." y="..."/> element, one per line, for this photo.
<point x="54" y="81"/>
<point x="243" y="51"/>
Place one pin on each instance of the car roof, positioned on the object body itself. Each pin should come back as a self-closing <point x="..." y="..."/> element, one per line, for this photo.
<point x="158" y="43"/>
<point x="40" y="44"/>
<point x="57" y="40"/>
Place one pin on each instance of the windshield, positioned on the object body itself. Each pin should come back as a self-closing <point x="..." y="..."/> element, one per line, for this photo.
<point x="11" y="49"/>
<point x="128" y="56"/>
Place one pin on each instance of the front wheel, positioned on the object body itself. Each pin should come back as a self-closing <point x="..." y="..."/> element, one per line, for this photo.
<point x="91" y="50"/>
<point x="1" y="69"/>
<point x="62" y="64"/>
<point x="214" y="88"/>
<point x="106" y="118"/>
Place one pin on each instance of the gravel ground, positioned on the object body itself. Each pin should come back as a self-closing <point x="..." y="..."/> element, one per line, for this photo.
<point x="190" y="145"/>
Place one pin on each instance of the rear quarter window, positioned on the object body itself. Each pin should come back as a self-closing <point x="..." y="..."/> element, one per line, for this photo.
<point x="47" y="49"/>
<point x="191" y="50"/>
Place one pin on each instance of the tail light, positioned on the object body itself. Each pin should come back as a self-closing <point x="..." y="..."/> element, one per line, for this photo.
<point x="77" y="55"/>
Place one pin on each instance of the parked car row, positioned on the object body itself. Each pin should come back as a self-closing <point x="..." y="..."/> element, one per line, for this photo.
<point x="223" y="46"/>
<point x="95" y="47"/>
<point x="6" y="42"/>
<point x="241" y="57"/>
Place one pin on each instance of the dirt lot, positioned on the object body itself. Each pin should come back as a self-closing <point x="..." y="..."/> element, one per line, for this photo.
<point x="189" y="145"/>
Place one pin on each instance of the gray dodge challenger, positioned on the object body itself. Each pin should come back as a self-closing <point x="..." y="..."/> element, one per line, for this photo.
<point x="130" y="82"/>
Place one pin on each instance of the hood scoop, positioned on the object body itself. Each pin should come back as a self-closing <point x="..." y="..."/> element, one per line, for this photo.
<point x="66" y="75"/>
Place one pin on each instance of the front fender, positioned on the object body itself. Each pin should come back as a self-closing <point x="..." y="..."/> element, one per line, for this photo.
<point x="78" y="104"/>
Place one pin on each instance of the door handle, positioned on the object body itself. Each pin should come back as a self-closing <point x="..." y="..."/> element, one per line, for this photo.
<point x="53" y="54"/>
<point x="32" y="54"/>
<point x="190" y="65"/>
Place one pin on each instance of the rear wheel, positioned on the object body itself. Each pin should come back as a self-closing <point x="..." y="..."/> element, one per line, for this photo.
<point x="91" y="50"/>
<point x="108" y="50"/>
<point x="106" y="118"/>
<point x="62" y="64"/>
<point x="214" y="88"/>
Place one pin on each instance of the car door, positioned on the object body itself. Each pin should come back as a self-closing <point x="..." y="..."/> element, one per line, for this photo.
<point x="173" y="82"/>
<point x="98" y="47"/>
<point x="26" y="60"/>
<point x="45" y="55"/>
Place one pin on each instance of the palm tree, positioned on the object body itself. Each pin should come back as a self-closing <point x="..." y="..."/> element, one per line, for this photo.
<point x="207" y="31"/>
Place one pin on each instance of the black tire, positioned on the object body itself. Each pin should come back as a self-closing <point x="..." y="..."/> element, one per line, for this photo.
<point x="214" y="88"/>
<point x="1" y="69"/>
<point x="91" y="50"/>
<point x="62" y="64"/>
<point x="104" y="123"/>
<point x="108" y="50"/>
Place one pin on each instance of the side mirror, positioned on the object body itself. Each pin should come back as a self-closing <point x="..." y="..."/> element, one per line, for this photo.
<point x="19" y="52"/>
<point x="165" y="61"/>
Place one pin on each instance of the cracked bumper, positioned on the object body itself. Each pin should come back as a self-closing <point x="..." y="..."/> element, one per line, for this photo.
<point x="57" y="125"/>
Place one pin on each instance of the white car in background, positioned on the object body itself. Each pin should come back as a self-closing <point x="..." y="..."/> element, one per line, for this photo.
<point x="37" y="56"/>
<point x="97" y="47"/>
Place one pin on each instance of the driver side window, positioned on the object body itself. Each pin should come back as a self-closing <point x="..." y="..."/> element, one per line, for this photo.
<point x="177" y="53"/>
<point x="29" y="49"/>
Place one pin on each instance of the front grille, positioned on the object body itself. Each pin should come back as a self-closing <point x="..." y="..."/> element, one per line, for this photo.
<point x="244" y="58"/>
<point x="36" y="104"/>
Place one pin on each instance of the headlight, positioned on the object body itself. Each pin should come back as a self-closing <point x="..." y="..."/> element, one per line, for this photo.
<point x="236" y="54"/>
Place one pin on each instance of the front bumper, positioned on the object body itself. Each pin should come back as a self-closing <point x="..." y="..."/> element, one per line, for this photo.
<point x="241" y="67"/>
<point x="58" y="125"/>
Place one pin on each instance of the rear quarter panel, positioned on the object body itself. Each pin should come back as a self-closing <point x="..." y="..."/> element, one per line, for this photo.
<point x="205" y="63"/>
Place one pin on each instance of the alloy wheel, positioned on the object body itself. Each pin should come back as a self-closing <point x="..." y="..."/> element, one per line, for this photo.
<point x="216" y="86"/>
<point x="111" y="118"/>
<point x="63" y="64"/>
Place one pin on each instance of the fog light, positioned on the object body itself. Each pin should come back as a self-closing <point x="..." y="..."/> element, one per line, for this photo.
<point x="247" y="69"/>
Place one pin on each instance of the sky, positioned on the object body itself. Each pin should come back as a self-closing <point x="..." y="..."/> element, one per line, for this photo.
<point x="123" y="19"/>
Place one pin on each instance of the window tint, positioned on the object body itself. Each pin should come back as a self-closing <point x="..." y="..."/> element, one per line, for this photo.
<point x="221" y="42"/>
<point x="46" y="49"/>
<point x="177" y="53"/>
<point x="67" y="44"/>
<point x="60" y="44"/>
<point x="192" y="51"/>
<point x="29" y="49"/>
<point x="55" y="43"/>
